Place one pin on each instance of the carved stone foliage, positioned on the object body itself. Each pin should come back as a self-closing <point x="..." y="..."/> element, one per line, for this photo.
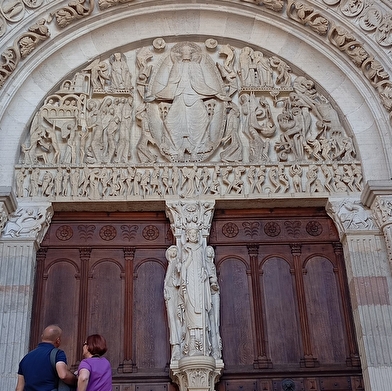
<point x="22" y="47"/>
<point x="13" y="11"/>
<point x="76" y="9"/>
<point x="190" y="119"/>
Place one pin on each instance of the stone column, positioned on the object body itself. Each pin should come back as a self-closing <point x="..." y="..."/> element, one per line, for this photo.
<point x="20" y="238"/>
<point x="192" y="297"/>
<point x="370" y="286"/>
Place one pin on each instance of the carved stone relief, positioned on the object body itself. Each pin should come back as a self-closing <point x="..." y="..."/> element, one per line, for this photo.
<point x="371" y="19"/>
<point x="186" y="119"/>
<point x="30" y="221"/>
<point x="350" y="214"/>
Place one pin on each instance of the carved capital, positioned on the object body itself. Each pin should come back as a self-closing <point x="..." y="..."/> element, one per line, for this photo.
<point x="29" y="221"/>
<point x="196" y="373"/>
<point x="382" y="211"/>
<point x="377" y="195"/>
<point x="186" y="214"/>
<point x="350" y="214"/>
<point x="7" y="205"/>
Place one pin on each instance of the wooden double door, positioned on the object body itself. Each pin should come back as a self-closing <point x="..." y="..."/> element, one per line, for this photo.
<point x="286" y="319"/>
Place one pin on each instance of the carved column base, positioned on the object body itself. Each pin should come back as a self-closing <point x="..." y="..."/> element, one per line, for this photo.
<point x="197" y="373"/>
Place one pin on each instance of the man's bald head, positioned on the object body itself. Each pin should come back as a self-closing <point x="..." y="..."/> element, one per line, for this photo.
<point x="52" y="334"/>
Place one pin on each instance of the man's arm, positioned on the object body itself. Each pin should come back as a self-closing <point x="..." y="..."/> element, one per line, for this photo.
<point x="65" y="374"/>
<point x="20" y="384"/>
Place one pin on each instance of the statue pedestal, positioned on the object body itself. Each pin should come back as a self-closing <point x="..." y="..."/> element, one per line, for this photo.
<point x="196" y="373"/>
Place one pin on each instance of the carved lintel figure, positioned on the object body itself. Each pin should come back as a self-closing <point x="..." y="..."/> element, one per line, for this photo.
<point x="296" y="173"/>
<point x="46" y="183"/>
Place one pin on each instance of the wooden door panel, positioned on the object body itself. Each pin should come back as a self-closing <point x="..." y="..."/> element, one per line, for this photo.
<point x="280" y="314"/>
<point x="105" y="304"/>
<point x="60" y="299"/>
<point x="236" y="314"/>
<point x="324" y="311"/>
<point x="151" y="346"/>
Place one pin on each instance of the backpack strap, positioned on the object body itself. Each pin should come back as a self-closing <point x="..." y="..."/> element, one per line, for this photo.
<point x="53" y="355"/>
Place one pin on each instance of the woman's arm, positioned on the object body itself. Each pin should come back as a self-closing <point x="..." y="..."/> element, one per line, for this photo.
<point x="83" y="377"/>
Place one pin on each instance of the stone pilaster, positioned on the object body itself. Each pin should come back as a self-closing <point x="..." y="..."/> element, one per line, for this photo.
<point x="370" y="283"/>
<point x="21" y="235"/>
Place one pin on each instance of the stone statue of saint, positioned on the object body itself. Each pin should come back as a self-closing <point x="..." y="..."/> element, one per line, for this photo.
<point x="199" y="293"/>
<point x="173" y="302"/>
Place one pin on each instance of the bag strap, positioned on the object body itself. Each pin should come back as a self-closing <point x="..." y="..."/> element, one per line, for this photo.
<point x="53" y="355"/>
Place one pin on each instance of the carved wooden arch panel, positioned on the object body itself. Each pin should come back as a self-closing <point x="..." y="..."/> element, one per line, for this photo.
<point x="285" y="309"/>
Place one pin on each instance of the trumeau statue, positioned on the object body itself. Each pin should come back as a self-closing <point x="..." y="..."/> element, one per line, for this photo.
<point x="186" y="119"/>
<point x="191" y="287"/>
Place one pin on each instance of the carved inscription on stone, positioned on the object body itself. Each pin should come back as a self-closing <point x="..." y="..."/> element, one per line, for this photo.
<point x="188" y="119"/>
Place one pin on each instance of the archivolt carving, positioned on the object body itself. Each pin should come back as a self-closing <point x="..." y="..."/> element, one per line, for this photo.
<point x="306" y="15"/>
<point x="76" y="9"/>
<point x="104" y="4"/>
<point x="187" y="119"/>
<point x="371" y="18"/>
<point x="13" y="11"/>
<point x="21" y="48"/>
